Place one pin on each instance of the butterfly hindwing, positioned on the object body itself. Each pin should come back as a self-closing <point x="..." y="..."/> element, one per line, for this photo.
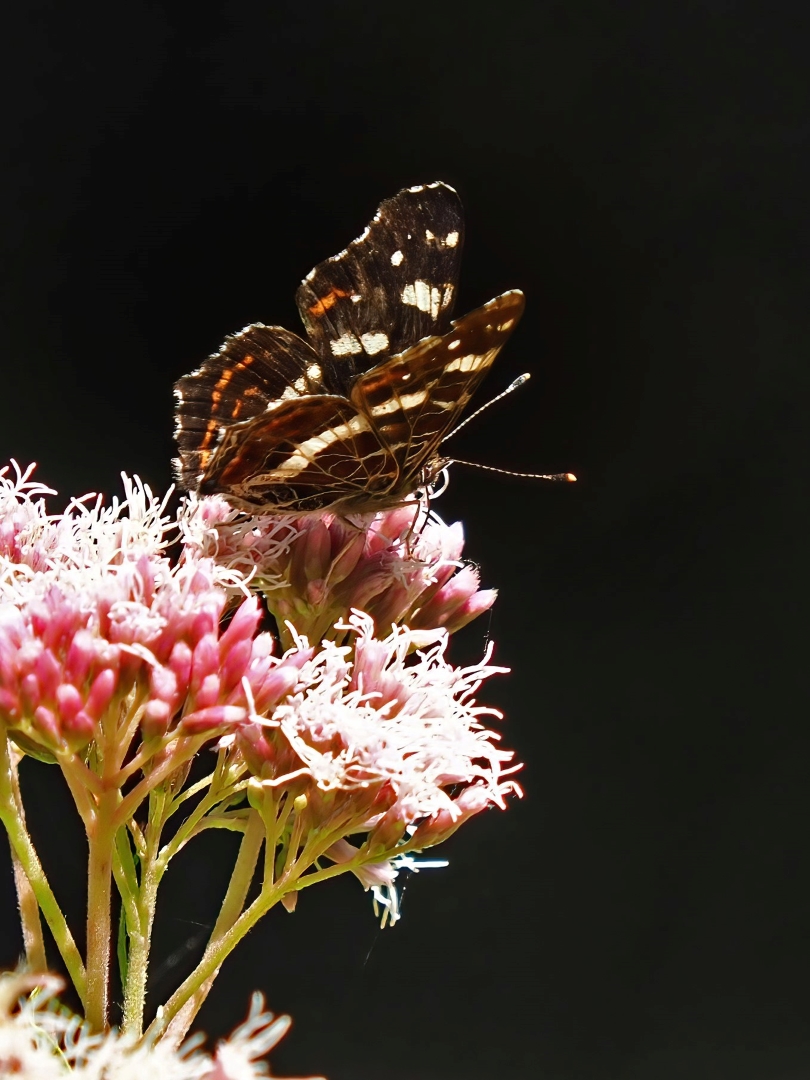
<point x="303" y="454"/>
<point x="254" y="368"/>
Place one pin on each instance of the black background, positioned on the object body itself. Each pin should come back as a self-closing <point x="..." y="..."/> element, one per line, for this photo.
<point x="641" y="171"/>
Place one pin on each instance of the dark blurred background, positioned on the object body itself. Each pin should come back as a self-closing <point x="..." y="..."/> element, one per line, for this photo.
<point x="641" y="172"/>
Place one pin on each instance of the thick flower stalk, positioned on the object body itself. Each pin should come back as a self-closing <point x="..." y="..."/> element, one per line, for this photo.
<point x="344" y="739"/>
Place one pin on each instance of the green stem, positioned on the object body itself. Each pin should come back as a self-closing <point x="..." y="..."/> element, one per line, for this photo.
<point x="140" y="935"/>
<point x="189" y="827"/>
<point x="185" y="750"/>
<point x="30" y="920"/>
<point x="214" y="957"/>
<point x="126" y="879"/>
<point x="219" y="950"/>
<point x="101" y="842"/>
<point x="232" y="905"/>
<point x="24" y="851"/>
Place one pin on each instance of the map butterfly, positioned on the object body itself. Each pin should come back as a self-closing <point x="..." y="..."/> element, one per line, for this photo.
<point x="352" y="419"/>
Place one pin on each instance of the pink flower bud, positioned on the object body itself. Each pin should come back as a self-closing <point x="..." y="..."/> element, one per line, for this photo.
<point x="389" y="831"/>
<point x="47" y="724"/>
<point x="313" y="553"/>
<point x="163" y="683"/>
<point x="446" y="601"/>
<point x="242" y="626"/>
<point x="208" y="694"/>
<point x="217" y="716"/>
<point x="101" y="693"/>
<point x="69" y="701"/>
<point x="203" y="625"/>
<point x="80" y="656"/>
<point x="156" y="717"/>
<point x="80" y="731"/>
<point x="278" y="684"/>
<point x="235" y="663"/>
<point x="349" y="552"/>
<point x="180" y="662"/>
<point x="477" y="604"/>
<point x="315" y="592"/>
<point x="48" y="672"/>
<point x="9" y="704"/>
<point x="206" y="659"/>
<point x="30" y="692"/>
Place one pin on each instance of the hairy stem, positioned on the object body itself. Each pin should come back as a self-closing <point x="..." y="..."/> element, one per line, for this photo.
<point x="231" y="909"/>
<point x="30" y="920"/>
<point x="213" y="959"/>
<point x="140" y="935"/>
<point x="101" y="841"/>
<point x="25" y="853"/>
<point x="219" y="950"/>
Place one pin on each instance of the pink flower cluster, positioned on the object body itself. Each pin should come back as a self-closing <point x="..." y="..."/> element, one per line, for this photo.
<point x="387" y="728"/>
<point x="95" y="620"/>
<point x="399" y="566"/>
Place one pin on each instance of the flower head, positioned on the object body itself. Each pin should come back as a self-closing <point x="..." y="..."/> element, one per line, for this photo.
<point x="399" y="566"/>
<point x="95" y="619"/>
<point x="381" y="736"/>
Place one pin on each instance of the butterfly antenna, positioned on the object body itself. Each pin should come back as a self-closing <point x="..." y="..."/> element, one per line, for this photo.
<point x="519" y="381"/>
<point x="567" y="476"/>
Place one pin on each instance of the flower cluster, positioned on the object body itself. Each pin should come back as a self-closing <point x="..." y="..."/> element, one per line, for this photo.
<point x="401" y="566"/>
<point x="389" y="723"/>
<point x="96" y="617"/>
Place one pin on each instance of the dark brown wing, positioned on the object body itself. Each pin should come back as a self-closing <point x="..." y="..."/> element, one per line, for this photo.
<point x="392" y="286"/>
<point x="306" y="454"/>
<point x="413" y="400"/>
<point x="253" y="369"/>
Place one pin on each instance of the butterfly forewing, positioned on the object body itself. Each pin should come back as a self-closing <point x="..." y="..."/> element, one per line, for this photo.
<point x="392" y="286"/>
<point x="416" y="398"/>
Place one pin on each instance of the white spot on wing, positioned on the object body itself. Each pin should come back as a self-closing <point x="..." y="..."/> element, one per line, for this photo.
<point x="374" y="343"/>
<point x="421" y="295"/>
<point x="404" y="401"/>
<point x="471" y="362"/>
<point x="397" y="258"/>
<point x="308" y="450"/>
<point x="429" y="235"/>
<point x="451" y="239"/>
<point x="454" y="344"/>
<point x="301" y="385"/>
<point x="314" y="372"/>
<point x="345" y="345"/>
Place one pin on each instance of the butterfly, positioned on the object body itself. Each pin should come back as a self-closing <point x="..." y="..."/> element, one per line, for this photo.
<point x="351" y="419"/>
